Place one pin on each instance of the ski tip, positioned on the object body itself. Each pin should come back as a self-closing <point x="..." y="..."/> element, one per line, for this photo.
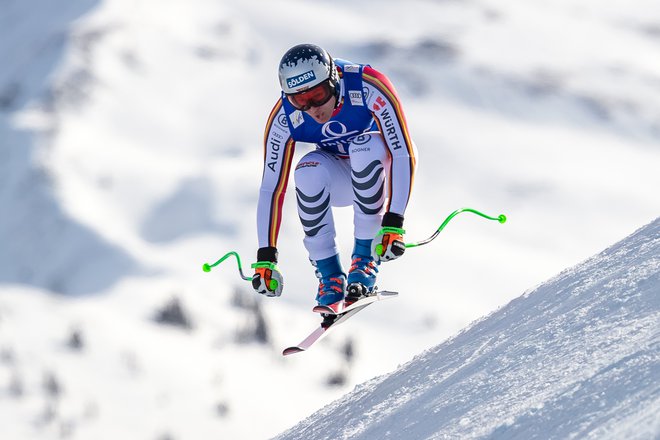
<point x="322" y="309"/>
<point x="388" y="293"/>
<point x="291" y="350"/>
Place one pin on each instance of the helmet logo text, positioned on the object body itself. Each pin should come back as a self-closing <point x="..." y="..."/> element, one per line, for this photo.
<point x="301" y="79"/>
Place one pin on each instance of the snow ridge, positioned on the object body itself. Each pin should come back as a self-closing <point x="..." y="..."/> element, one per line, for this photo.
<point x="575" y="358"/>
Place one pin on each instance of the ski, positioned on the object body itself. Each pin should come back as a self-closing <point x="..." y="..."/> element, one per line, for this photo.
<point x="339" y="308"/>
<point x="346" y="313"/>
<point x="318" y="334"/>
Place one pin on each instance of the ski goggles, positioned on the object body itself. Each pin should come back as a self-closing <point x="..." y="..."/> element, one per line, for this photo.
<point x="314" y="97"/>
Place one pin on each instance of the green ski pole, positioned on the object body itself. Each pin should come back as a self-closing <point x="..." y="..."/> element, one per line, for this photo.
<point x="207" y="267"/>
<point x="501" y="218"/>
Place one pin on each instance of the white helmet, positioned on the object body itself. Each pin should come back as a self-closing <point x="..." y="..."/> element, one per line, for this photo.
<point x="305" y="66"/>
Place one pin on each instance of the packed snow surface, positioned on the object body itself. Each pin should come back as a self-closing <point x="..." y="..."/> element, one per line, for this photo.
<point x="577" y="357"/>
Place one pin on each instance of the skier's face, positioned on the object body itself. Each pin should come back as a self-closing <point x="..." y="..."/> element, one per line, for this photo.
<point x="323" y="113"/>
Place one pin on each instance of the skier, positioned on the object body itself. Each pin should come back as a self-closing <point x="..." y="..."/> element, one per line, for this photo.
<point x="364" y="157"/>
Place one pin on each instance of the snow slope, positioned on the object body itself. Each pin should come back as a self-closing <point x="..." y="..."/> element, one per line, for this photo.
<point x="577" y="357"/>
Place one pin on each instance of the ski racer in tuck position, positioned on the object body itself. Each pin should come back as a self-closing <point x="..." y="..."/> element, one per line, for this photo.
<point x="364" y="158"/>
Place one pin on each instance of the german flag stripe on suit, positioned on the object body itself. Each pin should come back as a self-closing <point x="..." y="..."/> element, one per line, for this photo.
<point x="277" y="199"/>
<point x="384" y="86"/>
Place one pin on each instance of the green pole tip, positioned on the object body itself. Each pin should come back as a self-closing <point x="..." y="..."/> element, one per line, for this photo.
<point x="502" y="218"/>
<point x="206" y="267"/>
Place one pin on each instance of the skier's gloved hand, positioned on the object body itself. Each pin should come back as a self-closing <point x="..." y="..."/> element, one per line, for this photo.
<point x="388" y="244"/>
<point x="267" y="279"/>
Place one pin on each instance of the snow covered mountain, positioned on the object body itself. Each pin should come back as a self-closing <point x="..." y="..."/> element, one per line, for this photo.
<point x="130" y="154"/>
<point x="577" y="357"/>
<point x="42" y="244"/>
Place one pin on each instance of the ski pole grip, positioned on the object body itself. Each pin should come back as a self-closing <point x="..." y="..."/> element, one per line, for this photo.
<point x="386" y="230"/>
<point x="272" y="284"/>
